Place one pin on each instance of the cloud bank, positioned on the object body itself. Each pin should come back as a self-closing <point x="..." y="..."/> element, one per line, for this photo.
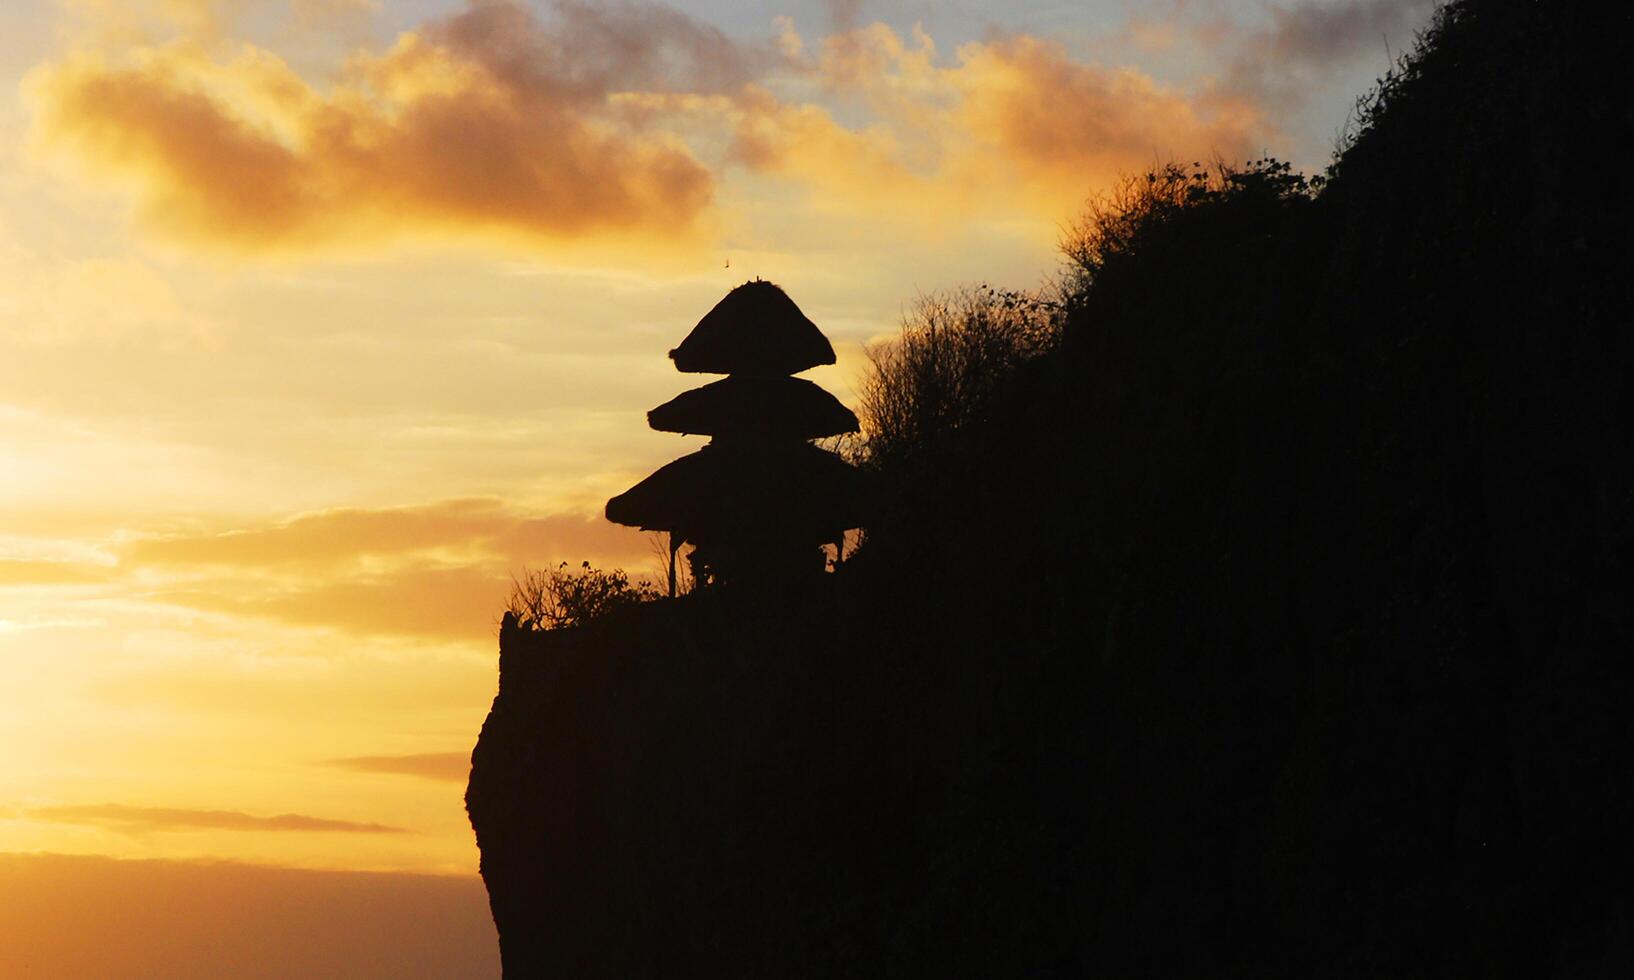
<point x="437" y="571"/>
<point x="624" y="121"/>
<point x="450" y="766"/>
<point x="27" y="572"/>
<point x="244" y="153"/>
<point x="119" y="816"/>
<point x="181" y="919"/>
<point x="1308" y="40"/>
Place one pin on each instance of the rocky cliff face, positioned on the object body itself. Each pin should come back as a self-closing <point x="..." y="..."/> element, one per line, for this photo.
<point x="706" y="787"/>
<point x="656" y="794"/>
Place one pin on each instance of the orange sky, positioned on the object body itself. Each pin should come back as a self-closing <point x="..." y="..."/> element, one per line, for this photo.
<point x="321" y="318"/>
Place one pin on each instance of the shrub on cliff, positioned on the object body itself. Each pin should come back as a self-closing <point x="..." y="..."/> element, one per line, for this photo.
<point x="980" y="414"/>
<point x="555" y="598"/>
<point x="1155" y="234"/>
<point x="954" y="353"/>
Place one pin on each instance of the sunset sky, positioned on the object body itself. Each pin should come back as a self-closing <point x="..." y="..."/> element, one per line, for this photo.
<point x="320" y="318"/>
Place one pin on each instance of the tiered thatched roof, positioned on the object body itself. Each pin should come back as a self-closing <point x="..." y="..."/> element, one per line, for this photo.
<point x="759" y="500"/>
<point x="755" y="405"/>
<point x="756" y="329"/>
<point x="796" y="485"/>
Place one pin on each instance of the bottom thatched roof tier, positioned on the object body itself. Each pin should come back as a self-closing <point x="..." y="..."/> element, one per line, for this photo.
<point x="765" y="405"/>
<point x="794" y="489"/>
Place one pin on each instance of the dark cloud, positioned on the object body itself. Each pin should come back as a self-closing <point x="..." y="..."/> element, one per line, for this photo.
<point x="1322" y="32"/>
<point x="843" y="14"/>
<point x="451" y="766"/>
<point x="1307" y="41"/>
<point x="119" y="816"/>
<point x="587" y="51"/>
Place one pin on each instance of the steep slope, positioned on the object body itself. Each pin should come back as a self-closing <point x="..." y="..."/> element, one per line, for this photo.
<point x="1274" y="625"/>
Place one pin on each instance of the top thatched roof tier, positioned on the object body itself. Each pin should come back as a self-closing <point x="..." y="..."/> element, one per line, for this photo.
<point x="788" y="490"/>
<point x="755" y="405"/>
<point x="756" y="329"/>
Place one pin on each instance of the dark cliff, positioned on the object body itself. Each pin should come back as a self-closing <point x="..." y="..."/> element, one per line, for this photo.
<point x="636" y="782"/>
<point x="704" y="787"/>
<point x="1277" y="623"/>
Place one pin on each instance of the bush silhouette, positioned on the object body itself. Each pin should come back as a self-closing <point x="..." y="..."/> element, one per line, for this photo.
<point x="955" y="351"/>
<point x="556" y="598"/>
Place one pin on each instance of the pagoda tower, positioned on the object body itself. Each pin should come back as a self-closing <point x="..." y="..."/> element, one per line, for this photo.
<point x="760" y="500"/>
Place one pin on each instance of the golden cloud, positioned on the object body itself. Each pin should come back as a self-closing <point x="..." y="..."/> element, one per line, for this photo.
<point x="25" y="572"/>
<point x="474" y="529"/>
<point x="1011" y="124"/>
<point x="115" y="301"/>
<point x="451" y="766"/>
<point x="211" y="918"/>
<point x="438" y="571"/>
<point x="1059" y="120"/>
<point x="244" y="153"/>
<point x="119" y="816"/>
<point x="455" y="603"/>
<point x="612" y="121"/>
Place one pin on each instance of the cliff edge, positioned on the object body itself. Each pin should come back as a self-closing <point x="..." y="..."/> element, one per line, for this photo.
<point x="643" y="795"/>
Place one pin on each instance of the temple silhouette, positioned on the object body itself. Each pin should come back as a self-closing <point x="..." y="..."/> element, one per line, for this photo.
<point x="758" y="502"/>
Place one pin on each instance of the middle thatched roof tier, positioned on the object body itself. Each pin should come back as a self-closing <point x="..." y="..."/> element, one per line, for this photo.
<point x="792" y="488"/>
<point x="758" y="405"/>
<point x="755" y="329"/>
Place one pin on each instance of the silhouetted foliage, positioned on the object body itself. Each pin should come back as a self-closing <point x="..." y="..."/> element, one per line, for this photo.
<point x="556" y="598"/>
<point x="1121" y="224"/>
<point x="671" y="563"/>
<point x="955" y="351"/>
